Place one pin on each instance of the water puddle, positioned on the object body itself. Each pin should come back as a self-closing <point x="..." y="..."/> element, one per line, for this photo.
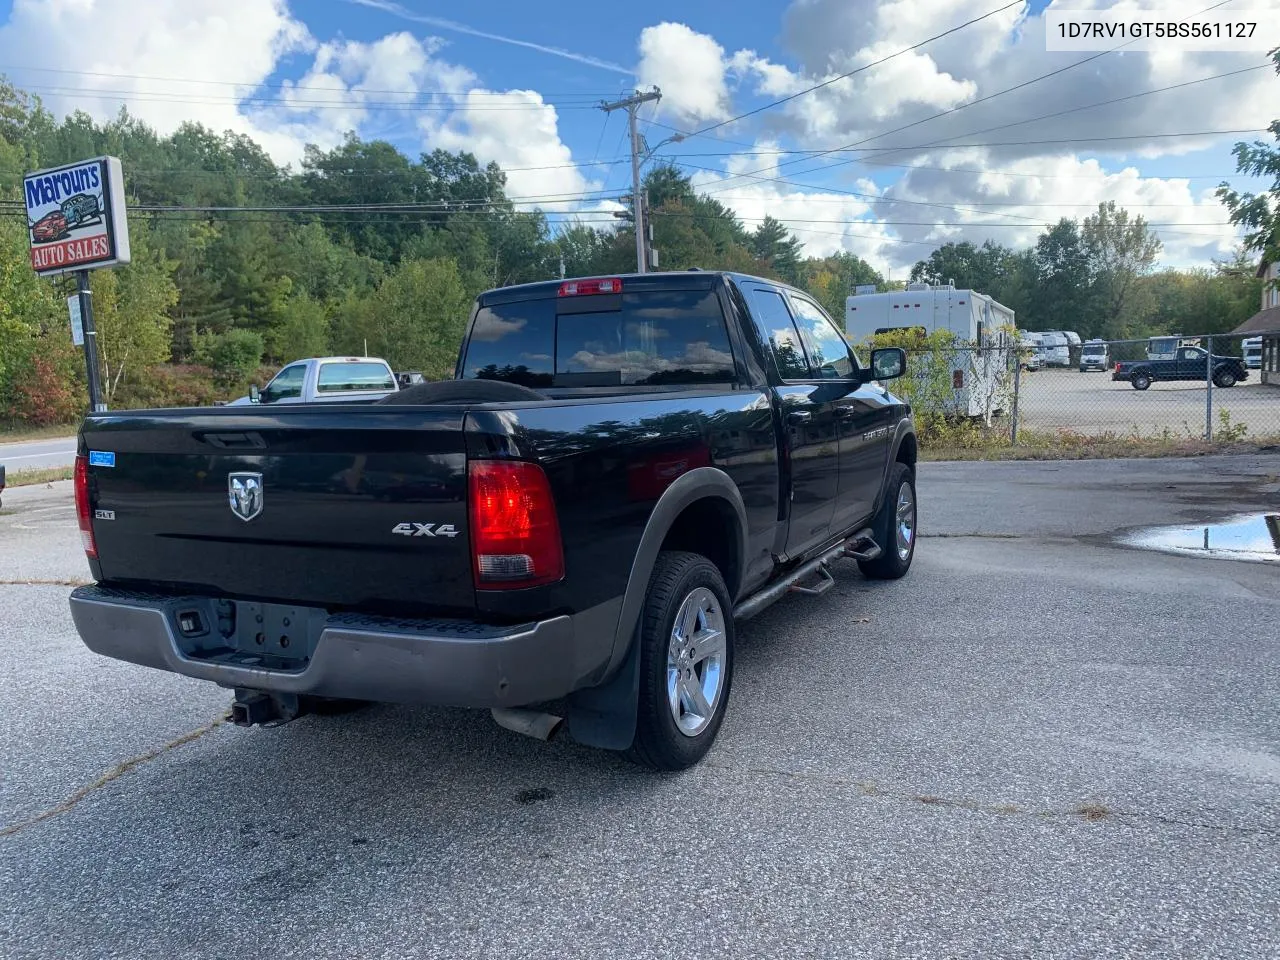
<point x="1251" y="537"/>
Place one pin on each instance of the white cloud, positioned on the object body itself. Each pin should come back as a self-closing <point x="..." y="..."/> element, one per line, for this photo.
<point x="518" y="131"/>
<point x="119" y="42"/>
<point x="689" y="67"/>
<point x="351" y="85"/>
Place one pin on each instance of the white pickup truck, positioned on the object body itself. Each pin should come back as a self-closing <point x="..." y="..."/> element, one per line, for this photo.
<point x="326" y="380"/>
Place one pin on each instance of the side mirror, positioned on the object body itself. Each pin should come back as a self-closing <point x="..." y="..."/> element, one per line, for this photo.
<point x="255" y="395"/>
<point x="888" y="363"/>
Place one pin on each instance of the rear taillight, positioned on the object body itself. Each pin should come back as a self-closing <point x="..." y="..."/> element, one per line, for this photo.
<point x="83" y="514"/>
<point x="587" y="288"/>
<point x="515" y="537"/>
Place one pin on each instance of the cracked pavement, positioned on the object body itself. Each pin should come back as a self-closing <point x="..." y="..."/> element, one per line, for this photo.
<point x="1038" y="743"/>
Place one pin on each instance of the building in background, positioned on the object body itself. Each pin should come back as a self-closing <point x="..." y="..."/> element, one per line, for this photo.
<point x="1266" y="323"/>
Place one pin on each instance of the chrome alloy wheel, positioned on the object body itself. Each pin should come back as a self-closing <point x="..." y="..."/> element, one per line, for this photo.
<point x="905" y="524"/>
<point x="695" y="662"/>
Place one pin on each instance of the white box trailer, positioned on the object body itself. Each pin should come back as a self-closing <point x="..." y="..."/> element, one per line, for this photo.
<point x="979" y="376"/>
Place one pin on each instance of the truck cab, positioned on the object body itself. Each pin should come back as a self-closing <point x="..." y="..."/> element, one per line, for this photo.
<point x="327" y="380"/>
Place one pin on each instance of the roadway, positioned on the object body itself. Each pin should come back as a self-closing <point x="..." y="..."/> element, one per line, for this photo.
<point x="38" y="454"/>
<point x="1039" y="743"/>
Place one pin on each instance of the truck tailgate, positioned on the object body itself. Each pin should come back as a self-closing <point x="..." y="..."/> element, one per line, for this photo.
<point x="347" y="507"/>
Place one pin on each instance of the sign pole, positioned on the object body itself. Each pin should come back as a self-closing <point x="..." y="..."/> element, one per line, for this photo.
<point x="90" y="342"/>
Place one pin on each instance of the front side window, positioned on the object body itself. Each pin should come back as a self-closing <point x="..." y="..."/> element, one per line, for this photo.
<point x="286" y="385"/>
<point x="829" y="352"/>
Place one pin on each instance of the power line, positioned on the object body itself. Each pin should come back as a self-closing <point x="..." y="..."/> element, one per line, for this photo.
<point x="844" y="76"/>
<point x="127" y="96"/>
<point x="255" y="84"/>
<point x="973" y="103"/>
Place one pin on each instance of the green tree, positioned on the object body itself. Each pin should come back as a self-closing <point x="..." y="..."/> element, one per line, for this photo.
<point x="778" y="249"/>
<point x="985" y="268"/>
<point x="831" y="280"/>
<point x="1258" y="213"/>
<point x="1064" y="278"/>
<point x="1120" y="250"/>
<point x="131" y="311"/>
<point x="414" y="319"/>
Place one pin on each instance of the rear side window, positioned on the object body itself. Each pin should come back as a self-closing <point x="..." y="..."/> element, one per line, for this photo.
<point x="344" y="377"/>
<point x="655" y="338"/>
<point x="771" y="310"/>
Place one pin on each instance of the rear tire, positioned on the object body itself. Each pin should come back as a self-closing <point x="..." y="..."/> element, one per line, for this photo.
<point x="895" y="527"/>
<point x="1140" y="381"/>
<point x="686" y="662"/>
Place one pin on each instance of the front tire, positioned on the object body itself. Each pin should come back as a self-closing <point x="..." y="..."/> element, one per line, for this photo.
<point x="1225" y="379"/>
<point x="895" y="527"/>
<point x="686" y="662"/>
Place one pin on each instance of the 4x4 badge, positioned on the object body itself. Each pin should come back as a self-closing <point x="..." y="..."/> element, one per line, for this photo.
<point x="244" y="492"/>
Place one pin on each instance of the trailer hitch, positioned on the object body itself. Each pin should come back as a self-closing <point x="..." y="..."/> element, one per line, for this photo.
<point x="261" y="708"/>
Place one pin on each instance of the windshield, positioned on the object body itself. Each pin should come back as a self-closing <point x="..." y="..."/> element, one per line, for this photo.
<point x="1095" y="351"/>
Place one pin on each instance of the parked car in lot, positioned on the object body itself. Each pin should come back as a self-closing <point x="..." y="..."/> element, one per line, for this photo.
<point x="52" y="226"/>
<point x="409" y="378"/>
<point x="621" y="468"/>
<point x="1094" y="355"/>
<point x="326" y="380"/>
<point x="1189" y="363"/>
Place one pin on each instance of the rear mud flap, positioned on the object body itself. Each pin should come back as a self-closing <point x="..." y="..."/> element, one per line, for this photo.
<point x="605" y="716"/>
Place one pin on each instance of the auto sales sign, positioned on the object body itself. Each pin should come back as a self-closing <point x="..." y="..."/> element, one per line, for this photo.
<point x="76" y="216"/>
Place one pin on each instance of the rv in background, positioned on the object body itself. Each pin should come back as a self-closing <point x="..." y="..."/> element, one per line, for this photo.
<point x="1057" y="348"/>
<point x="975" y="319"/>
<point x="1252" y="352"/>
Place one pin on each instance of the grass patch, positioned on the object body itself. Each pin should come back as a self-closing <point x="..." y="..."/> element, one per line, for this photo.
<point x="17" y="433"/>
<point x="1093" y="812"/>
<point x="1071" y="445"/>
<point x="25" y="478"/>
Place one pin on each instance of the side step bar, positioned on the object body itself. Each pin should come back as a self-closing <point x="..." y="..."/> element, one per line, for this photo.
<point x="861" y="546"/>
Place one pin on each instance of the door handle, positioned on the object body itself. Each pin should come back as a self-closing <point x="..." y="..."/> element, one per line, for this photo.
<point x="842" y="413"/>
<point x="799" y="416"/>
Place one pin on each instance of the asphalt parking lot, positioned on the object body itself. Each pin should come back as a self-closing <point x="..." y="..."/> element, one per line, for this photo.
<point x="1093" y="403"/>
<point x="1039" y="743"/>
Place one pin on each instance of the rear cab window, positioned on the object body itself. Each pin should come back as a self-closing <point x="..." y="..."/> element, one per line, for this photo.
<point x="345" y="376"/>
<point x="648" y="337"/>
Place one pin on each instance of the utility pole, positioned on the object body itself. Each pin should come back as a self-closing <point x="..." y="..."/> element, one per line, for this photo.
<point x="631" y="104"/>
<point x="90" y="342"/>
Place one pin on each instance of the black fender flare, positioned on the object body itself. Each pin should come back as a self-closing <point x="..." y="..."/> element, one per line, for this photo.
<point x="605" y="716"/>
<point x="906" y="428"/>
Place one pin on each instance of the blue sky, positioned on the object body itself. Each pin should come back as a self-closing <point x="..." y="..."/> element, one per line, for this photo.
<point x="352" y="58"/>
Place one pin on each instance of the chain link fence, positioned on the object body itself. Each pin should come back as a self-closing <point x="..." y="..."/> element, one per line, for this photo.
<point x="1140" y="393"/>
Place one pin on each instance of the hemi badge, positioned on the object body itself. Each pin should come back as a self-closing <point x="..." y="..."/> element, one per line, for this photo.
<point x="102" y="458"/>
<point x="104" y="514"/>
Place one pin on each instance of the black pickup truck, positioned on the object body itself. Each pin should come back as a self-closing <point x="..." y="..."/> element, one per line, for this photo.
<point x="1187" y="364"/>
<point x="621" y="467"/>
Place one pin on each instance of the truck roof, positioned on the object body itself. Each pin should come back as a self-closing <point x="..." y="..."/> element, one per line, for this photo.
<point x="695" y="279"/>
